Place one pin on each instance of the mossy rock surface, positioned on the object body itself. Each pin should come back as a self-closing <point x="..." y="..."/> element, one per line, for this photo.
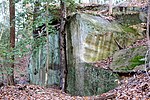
<point x="92" y="38"/>
<point x="129" y="60"/>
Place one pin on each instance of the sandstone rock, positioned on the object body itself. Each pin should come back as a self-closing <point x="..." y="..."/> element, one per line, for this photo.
<point x="129" y="60"/>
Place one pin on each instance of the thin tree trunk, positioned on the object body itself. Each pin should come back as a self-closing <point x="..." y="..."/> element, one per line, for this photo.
<point x="10" y="78"/>
<point x="79" y="1"/>
<point x="63" y="61"/>
<point x="148" y="37"/>
<point x="110" y="7"/>
<point x="148" y="25"/>
<point x="47" y="62"/>
<point x="35" y="15"/>
<point x="35" y="35"/>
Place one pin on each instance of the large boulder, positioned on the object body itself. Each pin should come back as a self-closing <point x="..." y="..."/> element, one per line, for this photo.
<point x="129" y="60"/>
<point x="91" y="38"/>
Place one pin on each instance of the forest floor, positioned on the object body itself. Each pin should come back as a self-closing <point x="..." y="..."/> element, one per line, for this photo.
<point x="136" y="87"/>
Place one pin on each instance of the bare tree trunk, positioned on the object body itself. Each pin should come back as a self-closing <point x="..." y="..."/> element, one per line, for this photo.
<point x="110" y="7"/>
<point x="148" y="38"/>
<point x="62" y="40"/>
<point x="148" y="25"/>
<point x="10" y="78"/>
<point x="79" y="1"/>
<point x="35" y="15"/>
<point x="47" y="62"/>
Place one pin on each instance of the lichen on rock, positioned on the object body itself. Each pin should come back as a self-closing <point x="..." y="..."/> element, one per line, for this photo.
<point x="128" y="60"/>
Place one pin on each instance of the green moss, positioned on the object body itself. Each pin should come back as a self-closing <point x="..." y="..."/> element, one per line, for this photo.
<point x="136" y="61"/>
<point x="129" y="30"/>
<point x="123" y="68"/>
<point x="97" y="80"/>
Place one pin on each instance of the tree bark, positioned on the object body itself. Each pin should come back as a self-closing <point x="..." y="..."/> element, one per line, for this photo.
<point x="110" y="7"/>
<point x="148" y="25"/>
<point x="48" y="51"/>
<point x="10" y="78"/>
<point x="35" y="15"/>
<point x="148" y="37"/>
<point x="62" y="43"/>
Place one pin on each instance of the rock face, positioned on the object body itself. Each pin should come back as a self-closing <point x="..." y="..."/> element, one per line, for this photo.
<point x="38" y="60"/>
<point x="129" y="60"/>
<point x="82" y="38"/>
<point x="89" y="39"/>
